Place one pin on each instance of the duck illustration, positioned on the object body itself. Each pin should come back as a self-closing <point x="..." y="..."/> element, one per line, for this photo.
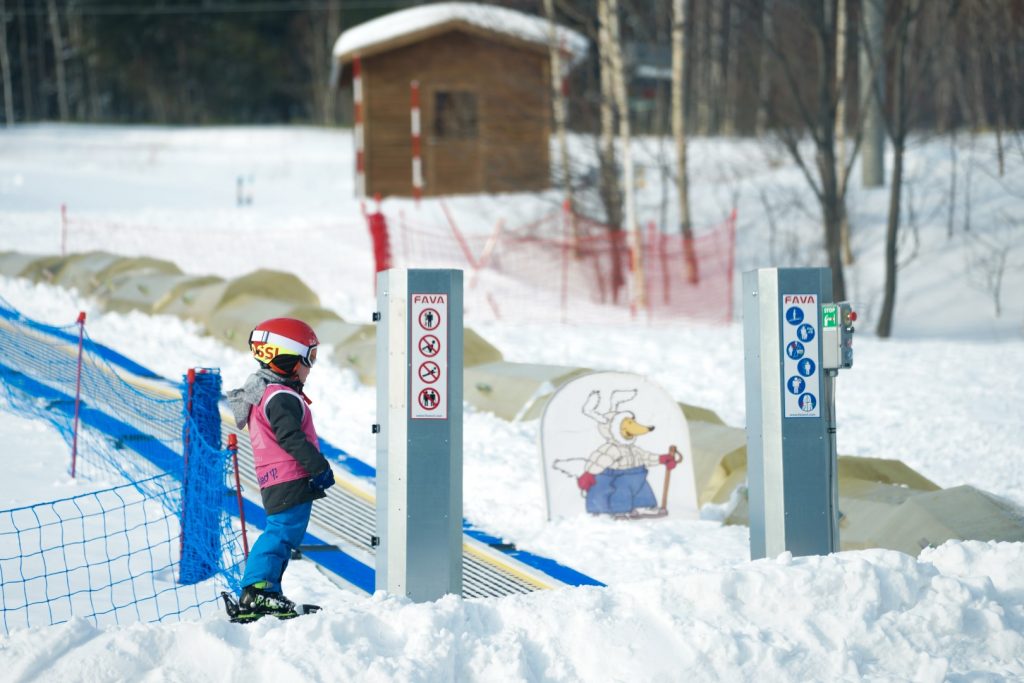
<point x="614" y="479"/>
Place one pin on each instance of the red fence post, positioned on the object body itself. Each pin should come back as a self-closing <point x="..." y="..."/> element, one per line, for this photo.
<point x="417" y="163"/>
<point x="78" y="391"/>
<point x="732" y="260"/>
<point x="63" y="229"/>
<point x="357" y="128"/>
<point x="378" y="225"/>
<point x="233" y="447"/>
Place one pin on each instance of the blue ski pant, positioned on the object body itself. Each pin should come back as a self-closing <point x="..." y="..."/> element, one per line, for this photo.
<point x="619" y="492"/>
<point x="269" y="556"/>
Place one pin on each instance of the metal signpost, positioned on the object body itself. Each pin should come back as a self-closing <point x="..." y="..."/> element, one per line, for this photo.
<point x="419" y="442"/>
<point x="795" y="341"/>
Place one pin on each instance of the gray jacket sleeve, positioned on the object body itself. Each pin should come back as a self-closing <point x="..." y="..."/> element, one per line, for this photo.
<point x="284" y="412"/>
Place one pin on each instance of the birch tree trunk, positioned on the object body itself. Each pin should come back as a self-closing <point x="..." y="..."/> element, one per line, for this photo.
<point x="844" y="222"/>
<point x="559" y="109"/>
<point x="872" y="85"/>
<point x="58" y="58"/>
<point x="611" y="195"/>
<point x="5" y="67"/>
<point x="679" y="134"/>
<point x="26" y="79"/>
<point x="638" y="300"/>
<point x="764" y="83"/>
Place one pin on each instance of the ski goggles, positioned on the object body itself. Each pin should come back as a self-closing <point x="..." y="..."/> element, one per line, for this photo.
<point x="266" y="346"/>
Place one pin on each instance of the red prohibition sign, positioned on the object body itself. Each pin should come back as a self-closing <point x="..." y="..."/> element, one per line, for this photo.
<point x="429" y="319"/>
<point x="430" y="372"/>
<point x="429" y="399"/>
<point x="429" y="345"/>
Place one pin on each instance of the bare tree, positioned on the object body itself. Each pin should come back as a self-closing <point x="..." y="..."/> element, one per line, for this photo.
<point x="841" y="168"/>
<point x="764" y="85"/>
<point x="679" y="134"/>
<point x="26" y="80"/>
<point x="58" y="57"/>
<point x="618" y="78"/>
<point x="910" y="52"/>
<point x="816" y="108"/>
<point x="558" y="103"/>
<point x="5" y="67"/>
<point x="610" y="192"/>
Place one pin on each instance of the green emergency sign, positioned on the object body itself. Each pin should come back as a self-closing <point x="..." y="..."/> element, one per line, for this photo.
<point x="829" y="315"/>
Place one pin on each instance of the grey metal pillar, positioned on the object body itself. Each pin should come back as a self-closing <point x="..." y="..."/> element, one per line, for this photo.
<point x="419" y="443"/>
<point x="791" y="459"/>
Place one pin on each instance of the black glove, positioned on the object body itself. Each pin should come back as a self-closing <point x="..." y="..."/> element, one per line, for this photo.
<point x="322" y="481"/>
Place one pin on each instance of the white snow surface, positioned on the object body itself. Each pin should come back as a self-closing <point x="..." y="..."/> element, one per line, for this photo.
<point x="510" y="22"/>
<point x="683" y="601"/>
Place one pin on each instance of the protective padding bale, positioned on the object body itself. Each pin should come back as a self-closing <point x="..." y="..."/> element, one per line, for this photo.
<point x="232" y="322"/>
<point x="870" y="489"/>
<point x="960" y="513"/>
<point x="864" y="506"/>
<point x="94" y="271"/>
<point x="30" y="266"/>
<point x="355" y="347"/>
<point x="148" y="292"/>
<point x="196" y="301"/>
<point x="271" y="284"/>
<point x="81" y="271"/>
<point x="719" y="459"/>
<point x="511" y="390"/>
<point x="358" y="350"/>
<point x="883" y="470"/>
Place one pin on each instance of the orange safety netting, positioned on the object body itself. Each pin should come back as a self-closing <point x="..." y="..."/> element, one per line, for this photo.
<point x="571" y="269"/>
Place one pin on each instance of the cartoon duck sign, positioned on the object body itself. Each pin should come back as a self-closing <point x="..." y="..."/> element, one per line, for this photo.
<point x="616" y="444"/>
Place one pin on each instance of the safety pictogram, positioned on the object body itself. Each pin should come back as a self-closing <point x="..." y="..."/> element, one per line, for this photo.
<point x="429" y="399"/>
<point x="429" y="319"/>
<point x="428" y="355"/>
<point x="430" y="372"/>
<point x="800" y="354"/>
<point x="429" y="345"/>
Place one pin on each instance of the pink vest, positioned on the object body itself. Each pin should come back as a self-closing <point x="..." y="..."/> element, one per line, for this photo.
<point x="273" y="464"/>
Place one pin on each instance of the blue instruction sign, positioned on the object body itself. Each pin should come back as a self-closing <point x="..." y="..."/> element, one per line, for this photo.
<point x="800" y="355"/>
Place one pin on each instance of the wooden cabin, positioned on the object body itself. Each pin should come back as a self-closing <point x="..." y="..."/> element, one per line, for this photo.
<point x="484" y="95"/>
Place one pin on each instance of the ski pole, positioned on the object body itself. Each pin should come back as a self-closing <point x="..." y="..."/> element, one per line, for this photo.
<point x="678" y="458"/>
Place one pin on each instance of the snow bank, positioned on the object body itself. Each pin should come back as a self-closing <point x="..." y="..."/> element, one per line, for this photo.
<point x="852" y="616"/>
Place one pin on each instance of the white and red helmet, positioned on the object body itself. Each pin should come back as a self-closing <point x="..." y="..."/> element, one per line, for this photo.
<point x="283" y="337"/>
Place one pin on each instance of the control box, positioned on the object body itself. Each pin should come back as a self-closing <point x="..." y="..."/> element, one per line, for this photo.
<point x="837" y="335"/>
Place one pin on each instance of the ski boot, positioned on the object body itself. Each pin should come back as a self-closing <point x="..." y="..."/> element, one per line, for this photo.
<point x="259" y="600"/>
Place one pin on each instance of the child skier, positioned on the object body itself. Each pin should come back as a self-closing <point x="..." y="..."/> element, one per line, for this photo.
<point x="290" y="469"/>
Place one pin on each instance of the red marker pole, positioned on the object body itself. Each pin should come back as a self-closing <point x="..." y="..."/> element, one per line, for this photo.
<point x="63" y="229"/>
<point x="417" y="163"/>
<point x="78" y="391"/>
<point x="233" y="447"/>
<point x="357" y="94"/>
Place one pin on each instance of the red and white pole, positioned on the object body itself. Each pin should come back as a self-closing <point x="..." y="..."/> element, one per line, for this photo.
<point x="63" y="229"/>
<point x="78" y="391"/>
<point x="357" y="93"/>
<point x="417" y="163"/>
<point x="233" y="447"/>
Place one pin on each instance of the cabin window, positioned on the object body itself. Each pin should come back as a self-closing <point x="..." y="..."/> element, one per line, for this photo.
<point x="455" y="115"/>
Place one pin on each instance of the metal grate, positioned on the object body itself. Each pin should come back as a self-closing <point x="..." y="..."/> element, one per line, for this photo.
<point x="353" y="520"/>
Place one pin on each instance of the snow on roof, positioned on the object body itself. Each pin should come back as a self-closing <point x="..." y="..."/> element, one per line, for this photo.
<point x="534" y="29"/>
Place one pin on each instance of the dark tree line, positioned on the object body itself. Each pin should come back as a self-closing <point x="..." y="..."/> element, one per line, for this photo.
<point x="260" y="61"/>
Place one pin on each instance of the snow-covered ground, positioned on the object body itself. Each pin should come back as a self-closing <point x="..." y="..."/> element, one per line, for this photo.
<point x="946" y="395"/>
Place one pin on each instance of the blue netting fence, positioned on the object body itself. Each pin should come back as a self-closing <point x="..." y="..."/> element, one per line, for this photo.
<point x="160" y="542"/>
